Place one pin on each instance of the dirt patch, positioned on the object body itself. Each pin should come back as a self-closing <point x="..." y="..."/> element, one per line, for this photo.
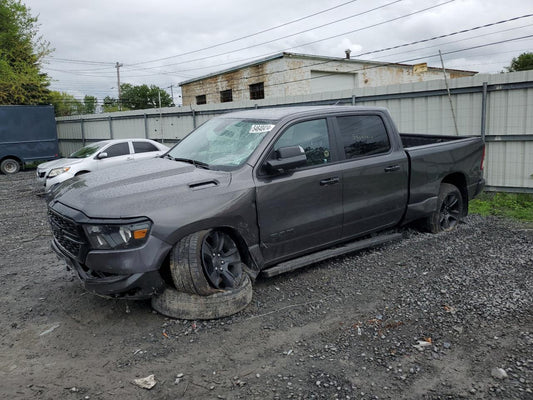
<point x="346" y="328"/>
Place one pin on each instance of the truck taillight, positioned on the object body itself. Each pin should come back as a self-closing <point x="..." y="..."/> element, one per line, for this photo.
<point x="482" y="158"/>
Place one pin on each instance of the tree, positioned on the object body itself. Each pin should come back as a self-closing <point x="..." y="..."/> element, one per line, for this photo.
<point x="21" y="53"/>
<point x="523" y="62"/>
<point x="89" y="104"/>
<point x="143" y="96"/>
<point x="65" y="104"/>
<point x="110" y="104"/>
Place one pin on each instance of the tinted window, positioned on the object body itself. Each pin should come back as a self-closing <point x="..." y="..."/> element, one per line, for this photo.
<point x="363" y="135"/>
<point x="119" y="149"/>
<point x="143" y="147"/>
<point x="312" y="136"/>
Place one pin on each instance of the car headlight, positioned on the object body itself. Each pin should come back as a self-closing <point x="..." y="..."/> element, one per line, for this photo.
<point x="111" y="236"/>
<point x="57" y="171"/>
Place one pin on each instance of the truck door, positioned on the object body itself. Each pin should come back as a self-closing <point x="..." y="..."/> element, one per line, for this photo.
<point x="374" y="174"/>
<point x="302" y="209"/>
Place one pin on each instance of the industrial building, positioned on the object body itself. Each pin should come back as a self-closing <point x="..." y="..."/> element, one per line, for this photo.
<point x="291" y="74"/>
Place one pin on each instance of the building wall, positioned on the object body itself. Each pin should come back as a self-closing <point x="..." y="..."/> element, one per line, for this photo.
<point x="297" y="75"/>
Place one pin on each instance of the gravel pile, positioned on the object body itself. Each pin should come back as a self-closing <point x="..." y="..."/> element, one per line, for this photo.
<point x="429" y="317"/>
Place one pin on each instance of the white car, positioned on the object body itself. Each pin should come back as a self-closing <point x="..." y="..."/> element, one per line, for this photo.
<point x="97" y="156"/>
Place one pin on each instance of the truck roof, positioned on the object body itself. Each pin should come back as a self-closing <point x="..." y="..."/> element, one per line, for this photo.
<point x="279" y="113"/>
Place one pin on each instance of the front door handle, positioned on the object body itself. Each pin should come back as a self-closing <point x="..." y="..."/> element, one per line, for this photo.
<point x="329" y="181"/>
<point x="392" y="168"/>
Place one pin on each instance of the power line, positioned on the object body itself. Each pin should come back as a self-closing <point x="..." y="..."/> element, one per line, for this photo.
<point x="315" y="41"/>
<point x="248" y="36"/>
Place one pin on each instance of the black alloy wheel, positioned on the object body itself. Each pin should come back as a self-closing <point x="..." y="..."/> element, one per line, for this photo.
<point x="221" y="260"/>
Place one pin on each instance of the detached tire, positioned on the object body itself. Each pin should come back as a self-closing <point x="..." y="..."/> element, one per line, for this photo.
<point x="450" y="209"/>
<point x="9" y="166"/>
<point x="205" y="263"/>
<point x="180" y="305"/>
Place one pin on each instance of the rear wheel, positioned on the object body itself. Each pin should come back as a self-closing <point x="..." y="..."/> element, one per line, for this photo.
<point x="9" y="166"/>
<point x="449" y="211"/>
<point x="206" y="262"/>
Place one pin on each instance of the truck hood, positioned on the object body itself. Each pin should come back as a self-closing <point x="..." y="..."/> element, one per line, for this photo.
<point x="135" y="190"/>
<point x="62" y="162"/>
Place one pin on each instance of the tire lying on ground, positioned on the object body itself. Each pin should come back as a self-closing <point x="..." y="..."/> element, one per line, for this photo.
<point x="450" y="209"/>
<point x="206" y="262"/>
<point x="175" y="304"/>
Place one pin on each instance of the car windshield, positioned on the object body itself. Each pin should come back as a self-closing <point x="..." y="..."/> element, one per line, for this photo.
<point x="88" y="150"/>
<point x="222" y="143"/>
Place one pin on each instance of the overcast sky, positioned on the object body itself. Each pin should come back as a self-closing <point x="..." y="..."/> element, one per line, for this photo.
<point x="165" y="42"/>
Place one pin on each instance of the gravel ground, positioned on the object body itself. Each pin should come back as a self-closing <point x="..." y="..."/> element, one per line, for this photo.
<point x="430" y="317"/>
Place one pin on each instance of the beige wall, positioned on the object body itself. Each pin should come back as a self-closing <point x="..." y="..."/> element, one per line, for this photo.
<point x="294" y="76"/>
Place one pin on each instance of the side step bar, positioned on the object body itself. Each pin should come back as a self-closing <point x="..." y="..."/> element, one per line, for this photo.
<point x="329" y="253"/>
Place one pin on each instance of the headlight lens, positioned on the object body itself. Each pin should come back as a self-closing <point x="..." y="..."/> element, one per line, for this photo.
<point x="57" y="171"/>
<point x="106" y="237"/>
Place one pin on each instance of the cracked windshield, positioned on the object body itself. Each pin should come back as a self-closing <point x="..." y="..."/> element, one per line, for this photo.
<point x="223" y="143"/>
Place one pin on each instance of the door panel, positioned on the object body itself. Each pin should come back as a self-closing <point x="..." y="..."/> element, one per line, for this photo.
<point x="301" y="209"/>
<point x="298" y="212"/>
<point x="374" y="175"/>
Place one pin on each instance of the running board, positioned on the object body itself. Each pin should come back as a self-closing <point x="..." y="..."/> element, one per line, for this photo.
<point x="329" y="253"/>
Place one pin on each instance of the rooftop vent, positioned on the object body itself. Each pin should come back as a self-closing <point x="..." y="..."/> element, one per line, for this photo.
<point x="347" y="52"/>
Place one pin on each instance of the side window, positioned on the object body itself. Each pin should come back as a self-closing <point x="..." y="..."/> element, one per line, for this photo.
<point x="363" y="135"/>
<point x="143" y="147"/>
<point x="312" y="136"/>
<point x="119" y="149"/>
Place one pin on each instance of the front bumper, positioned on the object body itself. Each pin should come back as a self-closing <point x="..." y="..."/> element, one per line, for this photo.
<point x="131" y="273"/>
<point x="136" y="285"/>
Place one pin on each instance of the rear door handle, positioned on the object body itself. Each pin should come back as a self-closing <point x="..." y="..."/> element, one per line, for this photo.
<point x="329" y="181"/>
<point x="392" y="168"/>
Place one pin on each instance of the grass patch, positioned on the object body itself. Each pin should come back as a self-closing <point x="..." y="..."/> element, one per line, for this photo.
<point x="511" y="205"/>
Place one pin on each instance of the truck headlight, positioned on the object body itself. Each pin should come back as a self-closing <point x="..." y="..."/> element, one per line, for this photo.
<point x="57" y="171"/>
<point x="107" y="237"/>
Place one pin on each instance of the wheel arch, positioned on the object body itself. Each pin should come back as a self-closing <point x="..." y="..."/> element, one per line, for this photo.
<point x="458" y="179"/>
<point x="16" y="158"/>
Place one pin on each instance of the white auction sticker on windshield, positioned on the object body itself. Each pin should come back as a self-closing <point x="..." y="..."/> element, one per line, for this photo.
<point x="261" y="128"/>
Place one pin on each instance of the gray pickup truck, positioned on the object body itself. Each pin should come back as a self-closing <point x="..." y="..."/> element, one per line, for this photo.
<point x="264" y="190"/>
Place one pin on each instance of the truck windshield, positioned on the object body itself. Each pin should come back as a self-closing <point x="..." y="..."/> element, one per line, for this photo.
<point x="223" y="143"/>
<point x="88" y="150"/>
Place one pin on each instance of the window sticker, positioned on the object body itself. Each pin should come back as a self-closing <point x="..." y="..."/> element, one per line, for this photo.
<point x="261" y="128"/>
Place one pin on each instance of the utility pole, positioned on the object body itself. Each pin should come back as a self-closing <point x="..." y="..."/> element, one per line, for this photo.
<point x="117" y="66"/>
<point x="449" y="94"/>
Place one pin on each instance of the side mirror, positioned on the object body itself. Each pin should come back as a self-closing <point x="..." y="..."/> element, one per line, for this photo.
<point x="102" y="155"/>
<point x="286" y="159"/>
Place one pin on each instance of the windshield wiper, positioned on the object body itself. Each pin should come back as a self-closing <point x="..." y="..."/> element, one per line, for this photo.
<point x="197" y="164"/>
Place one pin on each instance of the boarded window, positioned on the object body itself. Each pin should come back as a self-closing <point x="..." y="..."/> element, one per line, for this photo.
<point x="226" y="96"/>
<point x="257" y="91"/>
<point x="201" y="99"/>
<point x="363" y="135"/>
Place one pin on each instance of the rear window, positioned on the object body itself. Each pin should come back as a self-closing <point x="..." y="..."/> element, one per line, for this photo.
<point x="363" y="135"/>
<point x="143" y="147"/>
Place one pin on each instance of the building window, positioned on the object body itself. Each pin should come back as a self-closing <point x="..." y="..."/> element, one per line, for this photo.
<point x="201" y="99"/>
<point x="257" y="91"/>
<point x="226" y="96"/>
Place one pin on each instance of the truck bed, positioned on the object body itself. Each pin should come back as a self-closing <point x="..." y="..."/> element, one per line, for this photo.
<point x="410" y="140"/>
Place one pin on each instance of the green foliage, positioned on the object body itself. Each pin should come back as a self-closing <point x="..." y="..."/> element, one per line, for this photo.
<point x="89" y="104"/>
<point x="111" y="105"/>
<point x="511" y="205"/>
<point x="143" y="96"/>
<point x="21" y="52"/>
<point x="65" y="104"/>
<point x="523" y="62"/>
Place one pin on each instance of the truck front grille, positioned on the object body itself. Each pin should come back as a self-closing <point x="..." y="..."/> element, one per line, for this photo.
<point x="68" y="234"/>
